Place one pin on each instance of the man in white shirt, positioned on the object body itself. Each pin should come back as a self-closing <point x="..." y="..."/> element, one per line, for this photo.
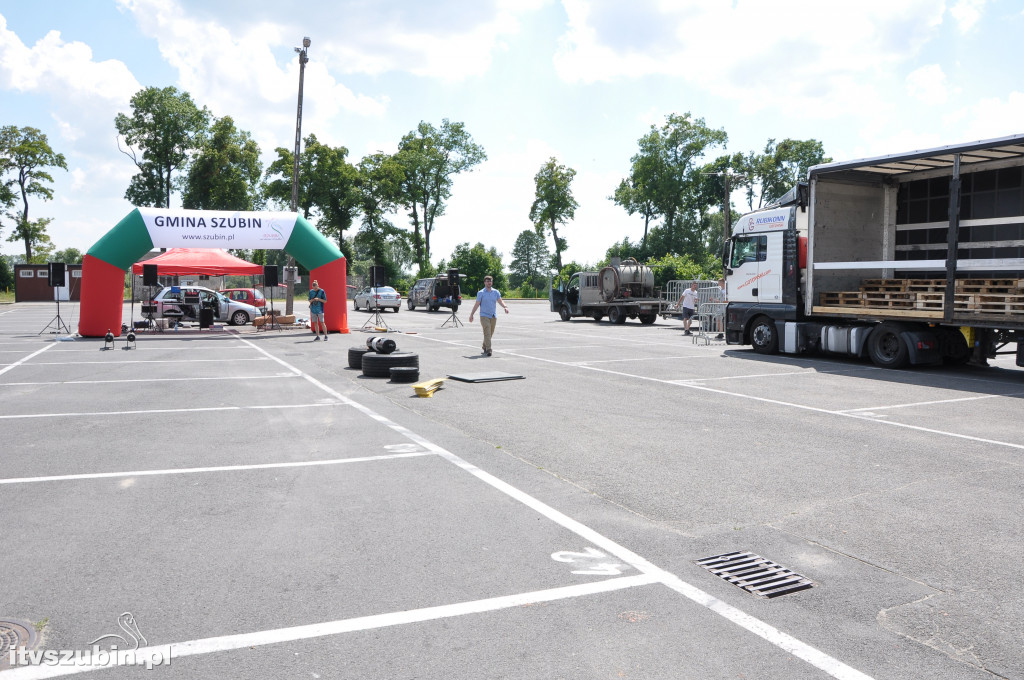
<point x="688" y="301"/>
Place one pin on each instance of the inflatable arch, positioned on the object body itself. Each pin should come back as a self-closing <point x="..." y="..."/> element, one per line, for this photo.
<point x="143" y="229"/>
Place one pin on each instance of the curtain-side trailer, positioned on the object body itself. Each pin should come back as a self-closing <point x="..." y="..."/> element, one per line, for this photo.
<point x="914" y="258"/>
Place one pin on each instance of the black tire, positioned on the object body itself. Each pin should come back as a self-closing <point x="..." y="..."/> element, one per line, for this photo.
<point x="648" y="319"/>
<point x="563" y="313"/>
<point x="397" y="309"/>
<point x="239" y="318"/>
<point x="886" y="348"/>
<point x="434" y="308"/>
<point x="355" y="305"/>
<point x="380" y="365"/>
<point x="410" y="305"/>
<point x="598" y="316"/>
<point x="764" y="336"/>
<point x="355" y="356"/>
<point x="404" y="374"/>
<point x="617" y="315"/>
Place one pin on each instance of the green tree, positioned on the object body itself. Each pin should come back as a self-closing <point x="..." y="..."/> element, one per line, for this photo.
<point x="69" y="256"/>
<point x="333" y="189"/>
<point x="431" y="159"/>
<point x="6" y="273"/>
<point x="771" y="174"/>
<point x="637" y="193"/>
<point x="553" y="203"/>
<point x="25" y="153"/>
<point x="278" y="185"/>
<point x="225" y="174"/>
<point x="380" y="178"/>
<point x="476" y="263"/>
<point x="530" y="260"/>
<point x="163" y="132"/>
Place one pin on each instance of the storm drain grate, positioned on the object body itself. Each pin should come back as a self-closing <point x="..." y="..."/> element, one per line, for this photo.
<point x="14" y="635"/>
<point x="755" y="574"/>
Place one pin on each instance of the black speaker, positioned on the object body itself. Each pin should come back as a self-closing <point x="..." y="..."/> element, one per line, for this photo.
<point x="270" y="275"/>
<point x="453" y="281"/>
<point x="55" y="274"/>
<point x="377" y="276"/>
<point x="149" y="275"/>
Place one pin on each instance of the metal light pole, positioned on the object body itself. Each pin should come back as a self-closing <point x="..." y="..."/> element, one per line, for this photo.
<point x="303" y="58"/>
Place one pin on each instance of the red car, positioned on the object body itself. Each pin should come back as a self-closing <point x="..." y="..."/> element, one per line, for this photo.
<point x="250" y="296"/>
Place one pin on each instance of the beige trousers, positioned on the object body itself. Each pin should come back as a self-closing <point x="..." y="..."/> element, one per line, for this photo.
<point x="488" y="323"/>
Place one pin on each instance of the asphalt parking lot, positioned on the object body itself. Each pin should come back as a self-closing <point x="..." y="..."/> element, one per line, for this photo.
<point x="266" y="511"/>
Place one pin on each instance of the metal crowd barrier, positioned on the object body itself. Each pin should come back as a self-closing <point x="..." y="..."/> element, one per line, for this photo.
<point x="711" y="322"/>
<point x="707" y="292"/>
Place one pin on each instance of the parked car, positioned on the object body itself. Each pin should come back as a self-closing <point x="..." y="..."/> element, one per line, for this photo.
<point x="381" y="297"/>
<point x="250" y="296"/>
<point x="433" y="294"/>
<point x="174" y="302"/>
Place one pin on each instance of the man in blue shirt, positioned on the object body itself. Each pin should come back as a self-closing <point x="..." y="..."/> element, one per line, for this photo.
<point x="317" y="298"/>
<point x="487" y="301"/>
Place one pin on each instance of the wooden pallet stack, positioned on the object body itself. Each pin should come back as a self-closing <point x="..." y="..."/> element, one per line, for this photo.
<point x="971" y="296"/>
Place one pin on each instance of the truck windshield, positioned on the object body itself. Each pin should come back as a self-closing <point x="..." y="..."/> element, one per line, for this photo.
<point x="749" y="249"/>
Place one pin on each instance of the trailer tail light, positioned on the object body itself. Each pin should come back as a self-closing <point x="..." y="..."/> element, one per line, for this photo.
<point x="926" y="344"/>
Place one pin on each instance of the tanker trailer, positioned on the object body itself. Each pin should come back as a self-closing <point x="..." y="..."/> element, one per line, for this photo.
<point x="623" y="290"/>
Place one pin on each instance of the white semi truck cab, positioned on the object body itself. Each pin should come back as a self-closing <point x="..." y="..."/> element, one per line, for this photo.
<point x="913" y="258"/>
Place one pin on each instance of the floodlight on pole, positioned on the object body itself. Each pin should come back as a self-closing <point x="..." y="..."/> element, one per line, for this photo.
<point x="303" y="58"/>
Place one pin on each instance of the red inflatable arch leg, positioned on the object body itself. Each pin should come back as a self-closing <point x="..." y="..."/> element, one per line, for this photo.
<point x="332" y="277"/>
<point x="102" y="298"/>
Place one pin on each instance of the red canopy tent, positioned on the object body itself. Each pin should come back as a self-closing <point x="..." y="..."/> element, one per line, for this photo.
<point x="178" y="261"/>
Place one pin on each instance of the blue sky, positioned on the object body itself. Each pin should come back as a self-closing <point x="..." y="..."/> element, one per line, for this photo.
<point x="580" y="80"/>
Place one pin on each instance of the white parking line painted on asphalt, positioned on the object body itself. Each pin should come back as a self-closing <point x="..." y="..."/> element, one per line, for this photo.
<point x="800" y="649"/>
<point x="143" y="361"/>
<point x="276" y="376"/>
<point x="19" y="363"/>
<point x="220" y="468"/>
<point x="270" y="637"/>
<point x="704" y="388"/>
<point x="930" y="403"/>
<point x="613" y="361"/>
<point x="163" y="410"/>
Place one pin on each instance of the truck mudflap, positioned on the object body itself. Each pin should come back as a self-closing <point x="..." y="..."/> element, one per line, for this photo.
<point x="922" y="347"/>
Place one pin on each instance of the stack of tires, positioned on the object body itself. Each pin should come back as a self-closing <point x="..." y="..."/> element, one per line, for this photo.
<point x="381" y="359"/>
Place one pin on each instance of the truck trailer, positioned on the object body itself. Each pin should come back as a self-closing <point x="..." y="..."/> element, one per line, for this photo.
<point x="913" y="258"/>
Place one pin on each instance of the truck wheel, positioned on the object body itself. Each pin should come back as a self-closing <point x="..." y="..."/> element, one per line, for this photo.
<point x="648" y="319"/>
<point x="763" y="336"/>
<point x="886" y="348"/>
<point x="598" y="316"/>
<point x="616" y="315"/>
<point x="563" y="313"/>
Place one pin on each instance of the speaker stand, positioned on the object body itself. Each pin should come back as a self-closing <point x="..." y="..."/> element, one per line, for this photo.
<point x="57" y="323"/>
<point x="453" y="319"/>
<point x="376" y="321"/>
<point x="271" y="325"/>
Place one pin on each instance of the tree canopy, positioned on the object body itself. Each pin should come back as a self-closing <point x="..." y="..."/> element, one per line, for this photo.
<point x="431" y="158"/>
<point x="553" y="203"/>
<point x="477" y="262"/>
<point x="25" y="156"/>
<point x="225" y="174"/>
<point x="530" y="260"/>
<point x="163" y="132"/>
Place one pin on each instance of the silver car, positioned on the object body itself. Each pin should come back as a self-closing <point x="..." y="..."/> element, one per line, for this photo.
<point x="381" y="297"/>
<point x="184" y="302"/>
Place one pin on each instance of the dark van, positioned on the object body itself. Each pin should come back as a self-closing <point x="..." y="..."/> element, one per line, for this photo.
<point x="433" y="294"/>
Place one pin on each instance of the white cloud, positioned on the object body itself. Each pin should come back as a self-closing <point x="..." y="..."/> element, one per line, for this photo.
<point x="820" y="59"/>
<point x="967" y="13"/>
<point x="234" y="71"/>
<point x="55" y="67"/>
<point x="928" y="84"/>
